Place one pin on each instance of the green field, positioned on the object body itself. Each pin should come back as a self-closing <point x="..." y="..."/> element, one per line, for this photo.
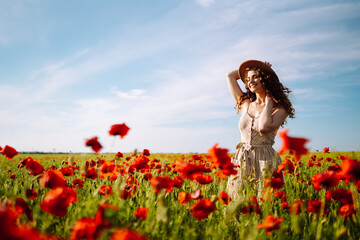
<point x="167" y="218"/>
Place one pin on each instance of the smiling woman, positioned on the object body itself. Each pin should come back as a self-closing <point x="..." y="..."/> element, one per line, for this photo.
<point x="264" y="107"/>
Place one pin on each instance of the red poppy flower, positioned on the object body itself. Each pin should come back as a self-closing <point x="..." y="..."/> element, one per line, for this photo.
<point x="178" y="181"/>
<point x="77" y="183"/>
<point x="314" y="205"/>
<point x="326" y="150"/>
<point x="201" y="209"/>
<point x="252" y="207"/>
<point x="270" y="224"/>
<point x="275" y="183"/>
<point x="31" y="194"/>
<point x="94" y="144"/>
<point x="327" y="180"/>
<point x="125" y="194"/>
<point x="106" y="190"/>
<point x="224" y="198"/>
<point x="286" y="166"/>
<point x="190" y="171"/>
<point x="292" y="144"/>
<point x="184" y="198"/>
<point x="284" y="205"/>
<point x="346" y="211"/>
<point x="147" y="176"/>
<point x="335" y="168"/>
<point x="67" y="171"/>
<point x="220" y="158"/>
<point x="204" y="179"/>
<point x="9" y="152"/>
<point x="58" y="200"/>
<point x="85" y="228"/>
<point x="141" y="213"/>
<point x="140" y="163"/>
<point x="119" y="154"/>
<point x="146" y="152"/>
<point x="12" y="176"/>
<point x="279" y="194"/>
<point x="296" y="207"/>
<point x="53" y="179"/>
<point x="162" y="183"/>
<point x="106" y="169"/>
<point x="350" y="169"/>
<point x="33" y="166"/>
<point x="90" y="173"/>
<point x="340" y="194"/>
<point x="126" y="234"/>
<point x="119" y="129"/>
<point x="23" y="207"/>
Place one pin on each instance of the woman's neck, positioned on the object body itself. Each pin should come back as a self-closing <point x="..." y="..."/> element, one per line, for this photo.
<point x="260" y="97"/>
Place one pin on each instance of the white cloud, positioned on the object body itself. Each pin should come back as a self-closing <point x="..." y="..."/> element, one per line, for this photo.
<point x="204" y="3"/>
<point x="132" y="94"/>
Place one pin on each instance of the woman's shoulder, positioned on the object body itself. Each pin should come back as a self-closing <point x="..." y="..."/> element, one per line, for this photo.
<point x="244" y="105"/>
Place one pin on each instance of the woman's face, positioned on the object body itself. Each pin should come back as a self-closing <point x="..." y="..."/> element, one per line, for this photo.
<point x="253" y="81"/>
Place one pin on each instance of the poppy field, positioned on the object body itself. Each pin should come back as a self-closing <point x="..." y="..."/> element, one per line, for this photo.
<point x="142" y="195"/>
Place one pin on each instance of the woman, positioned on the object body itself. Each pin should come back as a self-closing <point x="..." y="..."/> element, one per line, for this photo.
<point x="264" y="107"/>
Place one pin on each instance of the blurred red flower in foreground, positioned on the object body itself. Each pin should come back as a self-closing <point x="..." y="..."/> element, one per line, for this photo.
<point x="94" y="144"/>
<point x="189" y="170"/>
<point x="33" y="166"/>
<point x="106" y="190"/>
<point x="326" y="150"/>
<point x="270" y="224"/>
<point x="162" y="183"/>
<point x="91" y="228"/>
<point x="292" y="144"/>
<point x="347" y="210"/>
<point x="350" y="169"/>
<point x="340" y="194"/>
<point x="201" y="209"/>
<point x="204" y="179"/>
<point x="9" y="152"/>
<point x="23" y="207"/>
<point x="141" y="213"/>
<point x="85" y="228"/>
<point x="314" y="205"/>
<point x="296" y="207"/>
<point x="184" y="198"/>
<point x="58" y="200"/>
<point x="219" y="158"/>
<point x="327" y="180"/>
<point x="119" y="129"/>
<point x="10" y="230"/>
<point x="90" y="173"/>
<point x="127" y="234"/>
<point x="53" y="179"/>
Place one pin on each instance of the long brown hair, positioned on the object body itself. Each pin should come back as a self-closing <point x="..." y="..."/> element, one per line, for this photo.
<point x="273" y="87"/>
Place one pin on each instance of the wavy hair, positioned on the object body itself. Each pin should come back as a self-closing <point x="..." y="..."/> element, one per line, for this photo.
<point x="273" y="88"/>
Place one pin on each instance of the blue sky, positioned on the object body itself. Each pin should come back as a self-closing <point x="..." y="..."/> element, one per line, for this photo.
<point x="71" y="69"/>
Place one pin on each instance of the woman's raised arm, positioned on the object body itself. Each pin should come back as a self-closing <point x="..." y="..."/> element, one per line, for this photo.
<point x="235" y="90"/>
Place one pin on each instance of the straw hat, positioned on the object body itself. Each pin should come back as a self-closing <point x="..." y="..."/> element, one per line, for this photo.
<point x="247" y="65"/>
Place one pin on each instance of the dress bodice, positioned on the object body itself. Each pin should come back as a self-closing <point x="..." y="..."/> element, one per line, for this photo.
<point x="250" y="134"/>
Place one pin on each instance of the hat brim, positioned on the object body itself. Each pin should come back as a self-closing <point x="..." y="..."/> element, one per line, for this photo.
<point x="245" y="66"/>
